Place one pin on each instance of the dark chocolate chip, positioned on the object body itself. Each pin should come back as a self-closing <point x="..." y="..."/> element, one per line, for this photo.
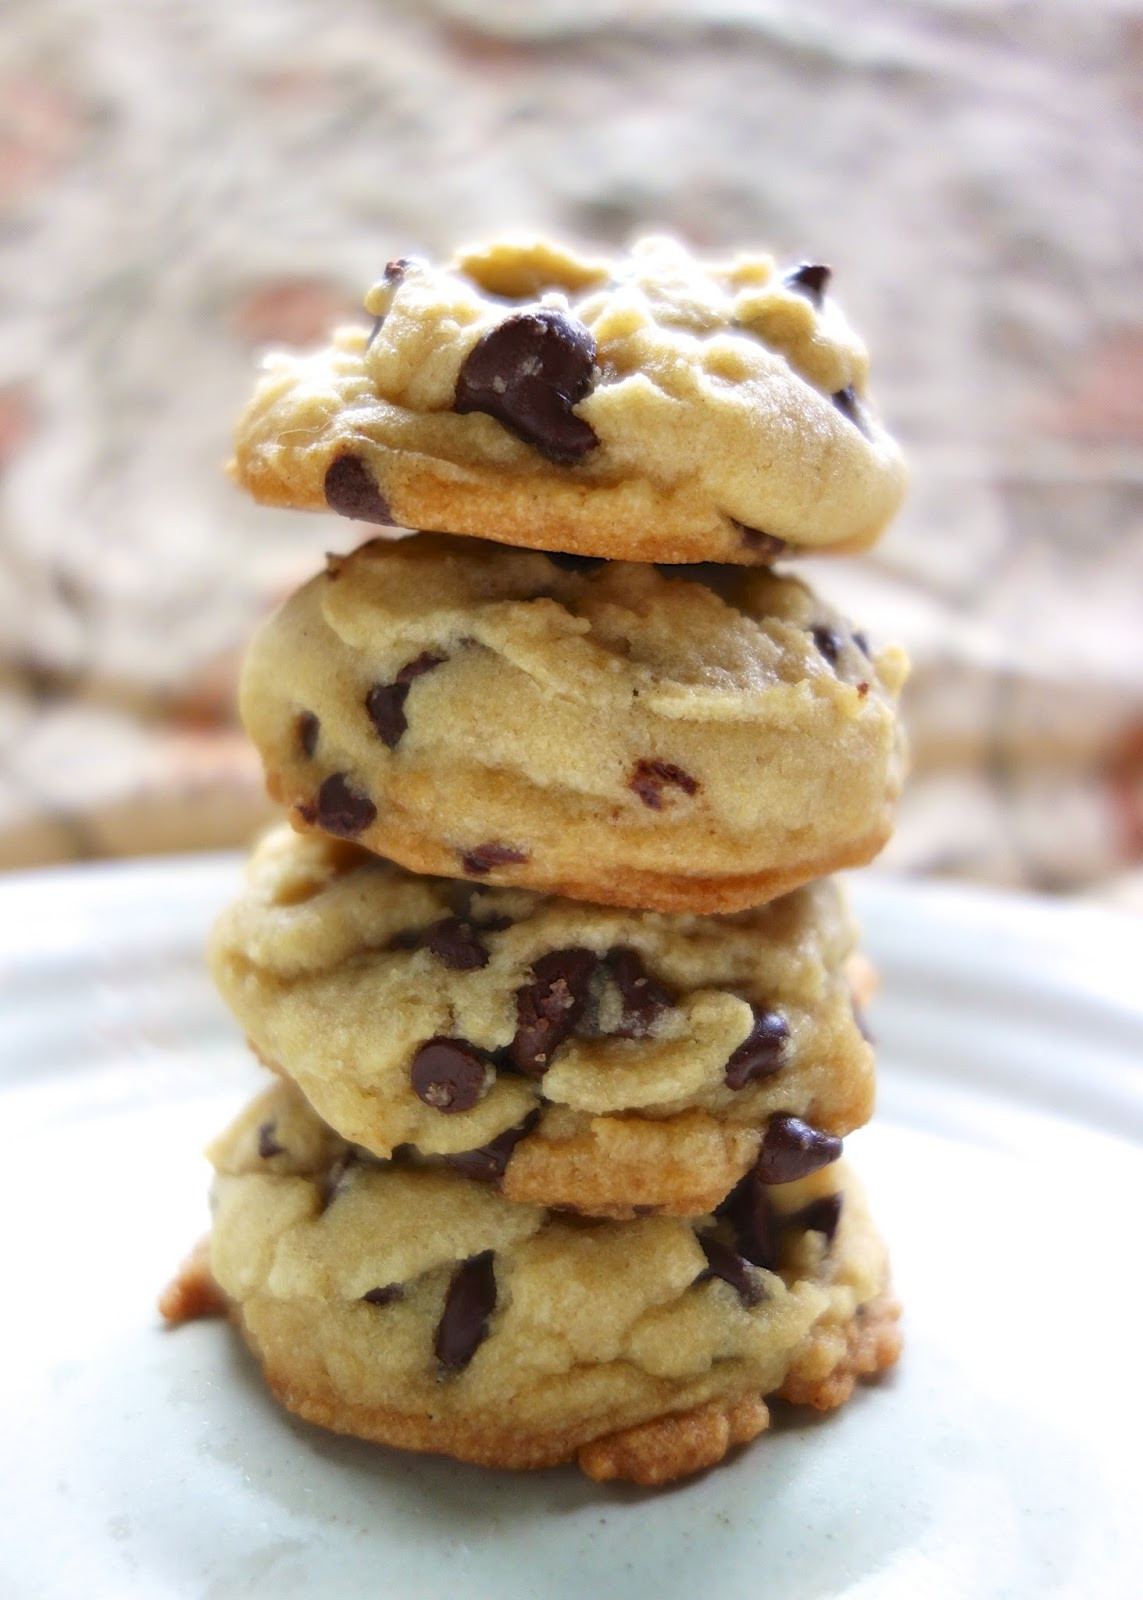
<point x="571" y="563"/>
<point x="449" y="1074"/>
<point x="766" y="545"/>
<point x="792" y="1149"/>
<point x="470" y="1301"/>
<point x="829" y="643"/>
<point x="351" y="490"/>
<point x="334" y="1179"/>
<point x="643" y="999"/>
<point x="725" y="1263"/>
<point x="307" y="727"/>
<point x="384" y="1294"/>
<point x="649" y="778"/>
<point x="385" y="702"/>
<point x="820" y="1216"/>
<point x="751" y="1214"/>
<point x="489" y="1163"/>
<point x="861" y="642"/>
<point x="456" y="943"/>
<point x="487" y="856"/>
<point x="762" y="1052"/>
<point x="396" y="268"/>
<point x="268" y="1146"/>
<point x="849" y="405"/>
<point x="810" y="279"/>
<point x="548" y="1008"/>
<point x="341" y="808"/>
<point x="528" y="372"/>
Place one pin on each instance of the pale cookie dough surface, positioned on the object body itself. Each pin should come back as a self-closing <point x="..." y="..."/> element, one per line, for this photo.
<point x="655" y="407"/>
<point x="696" y="742"/>
<point x="416" y="1308"/>
<point x="576" y="1055"/>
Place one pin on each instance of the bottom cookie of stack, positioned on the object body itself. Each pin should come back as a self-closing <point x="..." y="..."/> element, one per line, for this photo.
<point x="407" y="1304"/>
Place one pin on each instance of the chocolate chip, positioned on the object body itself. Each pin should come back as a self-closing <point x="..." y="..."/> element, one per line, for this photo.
<point x="643" y="999"/>
<point x="334" y="1179"/>
<point x="792" y="1149"/>
<point x="487" y="856"/>
<point x="849" y="405"/>
<point x="340" y="808"/>
<point x="820" y="1216"/>
<point x="723" y="1262"/>
<point x="548" y="1008"/>
<point x="810" y="279"/>
<point x="351" y="490"/>
<point x="861" y="642"/>
<point x="649" y="778"/>
<point x="385" y="702"/>
<point x="829" y="643"/>
<point x="528" y="373"/>
<point x="268" y="1146"/>
<point x="307" y="728"/>
<point x="570" y="563"/>
<point x="766" y="545"/>
<point x="488" y="1163"/>
<point x="751" y="1214"/>
<point x="384" y="1294"/>
<point x="396" y="269"/>
<point x="470" y="1301"/>
<point x="456" y="943"/>
<point x="762" y="1052"/>
<point x="449" y="1074"/>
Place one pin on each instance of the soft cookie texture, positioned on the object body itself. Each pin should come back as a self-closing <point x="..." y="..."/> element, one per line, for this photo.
<point x="420" y="1309"/>
<point x="652" y="407"/>
<point x="571" y="1054"/>
<point x="701" y="741"/>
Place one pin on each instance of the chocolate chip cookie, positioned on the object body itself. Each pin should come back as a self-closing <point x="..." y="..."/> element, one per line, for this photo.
<point x="572" y="1055"/>
<point x="701" y="741"/>
<point x="651" y="407"/>
<point x="419" y="1308"/>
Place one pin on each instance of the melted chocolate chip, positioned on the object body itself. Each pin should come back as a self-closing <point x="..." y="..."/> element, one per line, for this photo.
<point x="762" y="1052"/>
<point x="334" y="1179"/>
<point x="487" y="856"/>
<point x="548" y="1008"/>
<point x="340" y="808"/>
<point x="571" y="563"/>
<point x="643" y="999"/>
<point x="351" y="490"/>
<point x="385" y="702"/>
<point x="749" y="1211"/>
<point x="268" y="1146"/>
<point x="488" y="1163"/>
<point x="766" y="545"/>
<point x="528" y="372"/>
<point x="456" y="943"/>
<point x="828" y="642"/>
<point x="849" y="405"/>
<point x="449" y="1074"/>
<point x="307" y="728"/>
<point x="723" y="1262"/>
<point x="649" y="778"/>
<point x="470" y="1301"/>
<point x="810" y="279"/>
<point x="384" y="1294"/>
<point x="820" y="1216"/>
<point x="792" y="1149"/>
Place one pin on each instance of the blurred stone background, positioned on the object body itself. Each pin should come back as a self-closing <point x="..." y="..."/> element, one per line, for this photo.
<point x="183" y="182"/>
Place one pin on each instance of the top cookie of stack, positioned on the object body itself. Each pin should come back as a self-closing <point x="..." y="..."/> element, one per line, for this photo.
<point x="654" y="408"/>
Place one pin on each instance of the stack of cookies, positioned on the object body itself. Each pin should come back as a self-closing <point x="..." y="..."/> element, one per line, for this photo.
<point x="562" y="1000"/>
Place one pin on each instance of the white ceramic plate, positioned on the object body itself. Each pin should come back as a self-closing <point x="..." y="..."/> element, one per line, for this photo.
<point x="1002" y="1459"/>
